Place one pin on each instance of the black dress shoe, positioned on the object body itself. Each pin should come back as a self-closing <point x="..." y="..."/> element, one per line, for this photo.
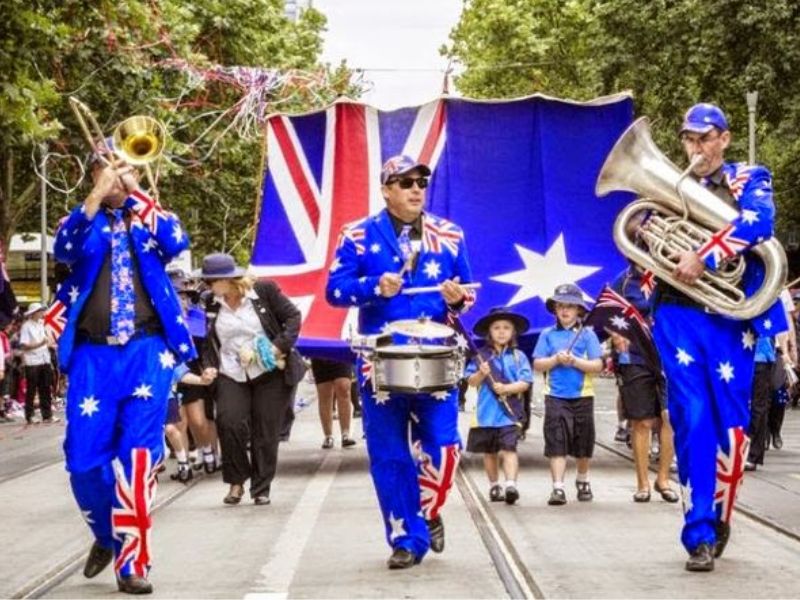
<point x="261" y="500"/>
<point x="777" y="441"/>
<point x="99" y="558"/>
<point x="723" y="533"/>
<point x="134" y="584"/>
<point x="436" y="529"/>
<point x="701" y="560"/>
<point x="401" y="559"/>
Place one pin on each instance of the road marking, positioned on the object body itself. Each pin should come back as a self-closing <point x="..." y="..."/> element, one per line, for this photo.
<point x="278" y="573"/>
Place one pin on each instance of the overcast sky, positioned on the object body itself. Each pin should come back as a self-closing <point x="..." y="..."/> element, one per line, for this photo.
<point x="396" y="42"/>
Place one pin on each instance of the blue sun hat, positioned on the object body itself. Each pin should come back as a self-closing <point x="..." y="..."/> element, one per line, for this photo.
<point x="566" y="293"/>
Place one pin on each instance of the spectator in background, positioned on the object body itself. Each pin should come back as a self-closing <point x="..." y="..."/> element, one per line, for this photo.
<point x="333" y="382"/>
<point x="36" y="359"/>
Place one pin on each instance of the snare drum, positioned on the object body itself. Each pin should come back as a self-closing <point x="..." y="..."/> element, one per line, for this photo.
<point x="417" y="368"/>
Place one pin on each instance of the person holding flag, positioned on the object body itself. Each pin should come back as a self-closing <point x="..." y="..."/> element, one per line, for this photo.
<point x="568" y="354"/>
<point x="620" y="313"/>
<point x="403" y="246"/>
<point x="502" y="374"/>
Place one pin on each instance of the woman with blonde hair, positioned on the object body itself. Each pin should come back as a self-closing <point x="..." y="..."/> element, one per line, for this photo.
<point x="252" y="329"/>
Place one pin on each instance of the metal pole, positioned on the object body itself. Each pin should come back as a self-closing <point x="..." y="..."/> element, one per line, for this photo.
<point x="43" y="256"/>
<point x="752" y="101"/>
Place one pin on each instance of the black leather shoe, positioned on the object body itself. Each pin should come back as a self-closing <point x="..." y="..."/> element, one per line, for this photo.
<point x="99" y="558"/>
<point x="701" y="560"/>
<point x="723" y="533"/>
<point x="134" y="585"/>
<point x="261" y="500"/>
<point x="401" y="559"/>
<point x="777" y="441"/>
<point x="436" y="529"/>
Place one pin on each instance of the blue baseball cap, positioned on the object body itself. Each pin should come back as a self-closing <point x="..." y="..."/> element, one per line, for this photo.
<point x="401" y="164"/>
<point x="703" y="117"/>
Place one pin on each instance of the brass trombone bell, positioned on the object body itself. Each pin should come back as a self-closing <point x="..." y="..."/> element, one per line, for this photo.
<point x="139" y="140"/>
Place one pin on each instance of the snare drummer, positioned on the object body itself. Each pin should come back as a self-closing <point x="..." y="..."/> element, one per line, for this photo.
<point x="403" y="246"/>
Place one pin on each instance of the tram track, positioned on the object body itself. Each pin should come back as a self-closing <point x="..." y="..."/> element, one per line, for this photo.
<point x="65" y="568"/>
<point x="514" y="575"/>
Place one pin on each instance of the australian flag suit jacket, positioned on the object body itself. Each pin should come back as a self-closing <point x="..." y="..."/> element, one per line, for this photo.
<point x="156" y="237"/>
<point x="368" y="248"/>
<point x="751" y="188"/>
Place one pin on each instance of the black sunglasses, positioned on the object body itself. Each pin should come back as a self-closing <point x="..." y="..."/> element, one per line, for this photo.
<point x="405" y="183"/>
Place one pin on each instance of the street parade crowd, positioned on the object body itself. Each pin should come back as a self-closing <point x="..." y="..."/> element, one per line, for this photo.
<point x="152" y="361"/>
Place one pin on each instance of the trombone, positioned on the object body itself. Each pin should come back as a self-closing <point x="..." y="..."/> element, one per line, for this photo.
<point x="138" y="140"/>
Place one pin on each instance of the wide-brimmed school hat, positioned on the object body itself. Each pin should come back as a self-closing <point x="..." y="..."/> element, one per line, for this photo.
<point x="220" y="266"/>
<point x="400" y="165"/>
<point x="567" y="293"/>
<point x="501" y="313"/>
<point x="34" y="307"/>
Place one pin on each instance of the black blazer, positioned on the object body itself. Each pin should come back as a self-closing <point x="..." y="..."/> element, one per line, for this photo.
<point x="280" y="320"/>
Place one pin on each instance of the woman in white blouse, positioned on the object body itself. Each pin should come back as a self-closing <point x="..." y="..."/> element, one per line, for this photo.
<point x="252" y="329"/>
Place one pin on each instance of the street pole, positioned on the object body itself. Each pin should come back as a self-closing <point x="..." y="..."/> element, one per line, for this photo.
<point x="752" y="101"/>
<point x="43" y="257"/>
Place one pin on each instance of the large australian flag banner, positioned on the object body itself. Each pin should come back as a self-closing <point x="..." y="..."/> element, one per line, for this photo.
<point x="518" y="176"/>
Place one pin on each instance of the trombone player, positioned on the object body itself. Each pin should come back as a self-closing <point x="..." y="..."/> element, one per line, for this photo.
<point x="708" y="358"/>
<point x="122" y="336"/>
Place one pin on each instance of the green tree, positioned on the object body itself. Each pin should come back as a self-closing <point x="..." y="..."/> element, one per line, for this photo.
<point x="115" y="56"/>
<point x="669" y="53"/>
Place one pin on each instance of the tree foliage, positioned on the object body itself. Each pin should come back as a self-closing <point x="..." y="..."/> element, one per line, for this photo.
<point x="669" y="53"/>
<point x="116" y="57"/>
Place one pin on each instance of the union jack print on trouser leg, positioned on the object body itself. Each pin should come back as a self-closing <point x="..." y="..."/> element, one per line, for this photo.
<point x="116" y="408"/>
<point x="708" y="361"/>
<point x="409" y="490"/>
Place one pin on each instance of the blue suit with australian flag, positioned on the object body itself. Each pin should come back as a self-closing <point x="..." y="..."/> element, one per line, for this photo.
<point x="117" y="394"/>
<point x="708" y="361"/>
<point x="410" y="489"/>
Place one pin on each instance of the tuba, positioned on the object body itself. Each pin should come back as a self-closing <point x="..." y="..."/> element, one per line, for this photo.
<point x="675" y="214"/>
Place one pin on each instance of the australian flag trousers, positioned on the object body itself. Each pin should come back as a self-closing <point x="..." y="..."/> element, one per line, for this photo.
<point x="708" y="361"/>
<point x="116" y="409"/>
<point x="414" y="447"/>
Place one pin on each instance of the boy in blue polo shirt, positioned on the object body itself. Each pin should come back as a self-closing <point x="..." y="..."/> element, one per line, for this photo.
<point x="568" y="355"/>
<point x="499" y="371"/>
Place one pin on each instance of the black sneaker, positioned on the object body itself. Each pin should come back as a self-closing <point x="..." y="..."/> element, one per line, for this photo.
<point x="436" y="530"/>
<point x="512" y="495"/>
<point x="401" y="559"/>
<point x="723" y="534"/>
<point x="557" y="497"/>
<point x="99" y="558"/>
<point x="348" y="442"/>
<point x="621" y="435"/>
<point x="327" y="443"/>
<point x="496" y="494"/>
<point x="584" y="491"/>
<point x="701" y="560"/>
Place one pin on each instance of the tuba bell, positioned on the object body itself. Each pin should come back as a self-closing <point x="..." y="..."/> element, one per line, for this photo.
<point x="675" y="214"/>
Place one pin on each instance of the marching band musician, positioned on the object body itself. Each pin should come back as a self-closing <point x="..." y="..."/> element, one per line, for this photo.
<point x="377" y="257"/>
<point x="122" y="336"/>
<point x="708" y="357"/>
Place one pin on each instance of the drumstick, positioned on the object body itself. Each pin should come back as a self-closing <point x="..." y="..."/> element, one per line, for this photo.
<point x="436" y="288"/>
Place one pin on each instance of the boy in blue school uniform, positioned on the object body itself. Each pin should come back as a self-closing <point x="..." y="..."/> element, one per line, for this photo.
<point x="502" y="374"/>
<point x="568" y="355"/>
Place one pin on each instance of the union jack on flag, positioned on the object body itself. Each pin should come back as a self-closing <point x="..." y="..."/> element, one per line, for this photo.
<point x="737" y="182"/>
<point x="730" y="471"/>
<point x="131" y="520"/>
<point x="324" y="173"/>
